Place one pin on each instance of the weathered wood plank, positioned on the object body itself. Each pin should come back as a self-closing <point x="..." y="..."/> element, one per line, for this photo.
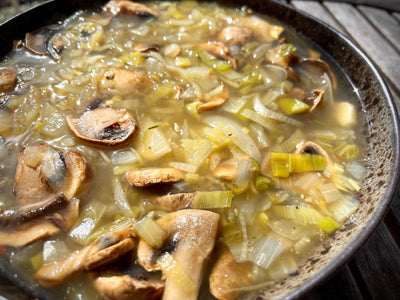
<point x="341" y="286"/>
<point x="318" y="11"/>
<point x="378" y="264"/>
<point x="377" y="47"/>
<point x="385" y="23"/>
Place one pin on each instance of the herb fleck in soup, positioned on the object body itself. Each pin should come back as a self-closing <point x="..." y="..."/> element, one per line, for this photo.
<point x="172" y="149"/>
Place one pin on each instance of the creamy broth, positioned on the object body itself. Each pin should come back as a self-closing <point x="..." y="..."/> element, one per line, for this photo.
<point x="210" y="148"/>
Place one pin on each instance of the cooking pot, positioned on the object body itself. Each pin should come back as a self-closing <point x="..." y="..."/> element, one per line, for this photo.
<point x="382" y="129"/>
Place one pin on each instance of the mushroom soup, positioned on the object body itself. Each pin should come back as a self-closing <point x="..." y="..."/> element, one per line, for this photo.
<point x="175" y="150"/>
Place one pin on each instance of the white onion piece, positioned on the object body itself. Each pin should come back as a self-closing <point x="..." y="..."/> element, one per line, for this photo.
<point x="265" y="251"/>
<point x="234" y="131"/>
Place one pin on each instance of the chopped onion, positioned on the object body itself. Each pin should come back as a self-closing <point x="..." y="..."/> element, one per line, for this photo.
<point x="342" y="209"/>
<point x="121" y="201"/>
<point x="196" y="150"/>
<point x="54" y="250"/>
<point x="299" y="214"/>
<point x="87" y="222"/>
<point x="123" y="157"/>
<point x="184" y="167"/>
<point x="149" y="231"/>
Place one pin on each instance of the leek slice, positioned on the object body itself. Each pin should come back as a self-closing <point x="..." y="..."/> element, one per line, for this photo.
<point x="291" y="106"/>
<point x="214" y="199"/>
<point x="163" y="91"/>
<point x="257" y="118"/>
<point x="242" y="176"/>
<point x="328" y="225"/>
<point x="121" y="201"/>
<point x="184" y="167"/>
<point x="149" y="231"/>
<point x="234" y="131"/>
<point x="88" y="219"/>
<point x="285" y="163"/>
<point x="342" y="209"/>
<point x="173" y="270"/>
<point x="265" y="251"/>
<point x="36" y="261"/>
<point x="264" y="183"/>
<point x="280" y="269"/>
<point x="330" y="192"/>
<point x="267" y="113"/>
<point x="126" y="157"/>
<point x="299" y="214"/>
<point x="196" y="150"/>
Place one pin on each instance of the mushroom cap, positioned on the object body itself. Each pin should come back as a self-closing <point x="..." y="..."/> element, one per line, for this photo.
<point x="38" y="41"/>
<point x="219" y="50"/>
<point x="190" y="239"/>
<point x="215" y="101"/>
<point x="108" y="248"/>
<point x="103" y="125"/>
<point x="319" y="67"/>
<point x="121" y="287"/>
<point x="173" y="202"/>
<point x="130" y="8"/>
<point x="151" y="176"/>
<point x="37" y="174"/>
<point x="8" y="79"/>
<point x="125" y="82"/>
<point x="234" y="35"/>
<point x="313" y="148"/>
<point x="227" y="275"/>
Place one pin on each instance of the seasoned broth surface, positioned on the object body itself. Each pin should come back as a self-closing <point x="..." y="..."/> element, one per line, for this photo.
<point x="174" y="150"/>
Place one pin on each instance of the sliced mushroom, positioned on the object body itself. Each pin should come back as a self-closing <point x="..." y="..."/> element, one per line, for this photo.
<point x="318" y="67"/>
<point x="38" y="228"/>
<point x="31" y="211"/>
<point x="43" y="211"/>
<point x="190" y="239"/>
<point x="38" y="40"/>
<point x="234" y="35"/>
<point x="120" y="287"/>
<point x="8" y="79"/>
<point x="150" y="176"/>
<point x="173" y="202"/>
<point x="106" y="249"/>
<point x="103" y="125"/>
<point x="130" y="8"/>
<point x="141" y="47"/>
<point x="262" y="30"/>
<point x="109" y="248"/>
<point x="37" y="175"/>
<point x="219" y="50"/>
<point x="314" y="99"/>
<point x="125" y="82"/>
<point x="225" y="170"/>
<point x="313" y="148"/>
<point x="228" y="276"/>
<point x="215" y="102"/>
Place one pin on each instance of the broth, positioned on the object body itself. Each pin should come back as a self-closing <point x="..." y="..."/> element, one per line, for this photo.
<point x="147" y="117"/>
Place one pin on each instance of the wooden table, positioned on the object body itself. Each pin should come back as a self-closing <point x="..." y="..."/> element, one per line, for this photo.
<point x="374" y="272"/>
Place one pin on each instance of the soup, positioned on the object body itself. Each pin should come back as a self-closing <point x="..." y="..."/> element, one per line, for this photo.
<point x="175" y="150"/>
